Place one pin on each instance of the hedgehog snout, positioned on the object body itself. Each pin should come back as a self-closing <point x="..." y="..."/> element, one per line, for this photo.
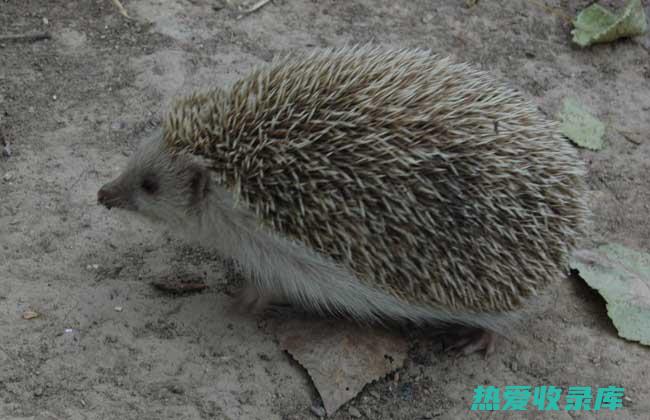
<point x="109" y="196"/>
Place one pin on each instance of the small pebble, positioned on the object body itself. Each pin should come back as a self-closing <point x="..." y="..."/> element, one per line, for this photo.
<point x="118" y="125"/>
<point x="6" y="151"/>
<point x="406" y="391"/>
<point x="374" y="394"/>
<point x="176" y="389"/>
<point x="354" y="412"/>
<point x="30" y="315"/>
<point x="54" y="97"/>
<point x="8" y="176"/>
<point x="46" y="21"/>
<point x="118" y="309"/>
<point x="317" y="410"/>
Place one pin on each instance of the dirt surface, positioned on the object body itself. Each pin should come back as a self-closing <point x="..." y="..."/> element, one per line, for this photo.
<point x="107" y="345"/>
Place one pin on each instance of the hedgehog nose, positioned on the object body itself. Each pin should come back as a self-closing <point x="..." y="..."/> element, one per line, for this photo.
<point x="104" y="197"/>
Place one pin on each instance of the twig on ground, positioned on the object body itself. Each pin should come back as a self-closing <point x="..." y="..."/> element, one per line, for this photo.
<point x="628" y="136"/>
<point x="121" y="9"/>
<point x="253" y="8"/>
<point x="4" y="142"/>
<point x="38" y="36"/>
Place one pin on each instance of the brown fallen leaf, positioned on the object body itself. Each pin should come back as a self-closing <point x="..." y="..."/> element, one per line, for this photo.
<point x="177" y="286"/>
<point x="30" y="315"/>
<point x="341" y="358"/>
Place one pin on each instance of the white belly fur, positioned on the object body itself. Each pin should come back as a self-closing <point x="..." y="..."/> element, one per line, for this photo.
<point x="277" y="265"/>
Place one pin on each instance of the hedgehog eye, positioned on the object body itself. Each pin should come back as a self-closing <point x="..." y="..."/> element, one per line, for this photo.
<point x="149" y="184"/>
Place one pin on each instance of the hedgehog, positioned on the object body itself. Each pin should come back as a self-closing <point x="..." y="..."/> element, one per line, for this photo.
<point x="374" y="183"/>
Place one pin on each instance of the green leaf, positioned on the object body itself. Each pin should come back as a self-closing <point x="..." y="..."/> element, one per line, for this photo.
<point x="580" y="126"/>
<point x="595" y="24"/>
<point x="622" y="276"/>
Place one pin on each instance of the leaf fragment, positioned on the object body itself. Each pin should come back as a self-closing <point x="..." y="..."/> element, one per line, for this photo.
<point x="595" y="24"/>
<point x="580" y="126"/>
<point x="622" y="276"/>
<point x="341" y="358"/>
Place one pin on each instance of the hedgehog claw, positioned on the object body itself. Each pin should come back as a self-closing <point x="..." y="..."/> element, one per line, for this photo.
<point x="283" y="311"/>
<point x="473" y="341"/>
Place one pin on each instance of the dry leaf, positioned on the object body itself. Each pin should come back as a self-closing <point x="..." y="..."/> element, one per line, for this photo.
<point x="580" y="126"/>
<point x="341" y="358"/>
<point x="596" y="24"/>
<point x="622" y="276"/>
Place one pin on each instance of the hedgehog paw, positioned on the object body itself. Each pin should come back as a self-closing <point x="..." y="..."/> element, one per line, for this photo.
<point x="472" y="341"/>
<point x="283" y="311"/>
<point x="251" y="300"/>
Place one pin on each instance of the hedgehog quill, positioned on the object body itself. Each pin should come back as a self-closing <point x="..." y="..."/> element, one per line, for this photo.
<point x="377" y="184"/>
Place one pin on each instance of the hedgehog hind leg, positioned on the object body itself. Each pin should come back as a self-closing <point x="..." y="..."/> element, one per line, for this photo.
<point x="260" y="302"/>
<point x="255" y="300"/>
<point x="468" y="340"/>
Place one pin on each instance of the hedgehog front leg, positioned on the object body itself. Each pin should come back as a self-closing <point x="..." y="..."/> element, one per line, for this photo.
<point x="252" y="299"/>
<point x="257" y="300"/>
<point x="468" y="340"/>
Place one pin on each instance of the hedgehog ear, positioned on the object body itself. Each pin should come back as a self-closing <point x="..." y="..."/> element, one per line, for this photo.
<point x="199" y="183"/>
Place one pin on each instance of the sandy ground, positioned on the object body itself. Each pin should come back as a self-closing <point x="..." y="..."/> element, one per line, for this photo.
<point x="74" y="106"/>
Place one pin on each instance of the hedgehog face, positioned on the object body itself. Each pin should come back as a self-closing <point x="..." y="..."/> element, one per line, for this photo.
<point x="159" y="186"/>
